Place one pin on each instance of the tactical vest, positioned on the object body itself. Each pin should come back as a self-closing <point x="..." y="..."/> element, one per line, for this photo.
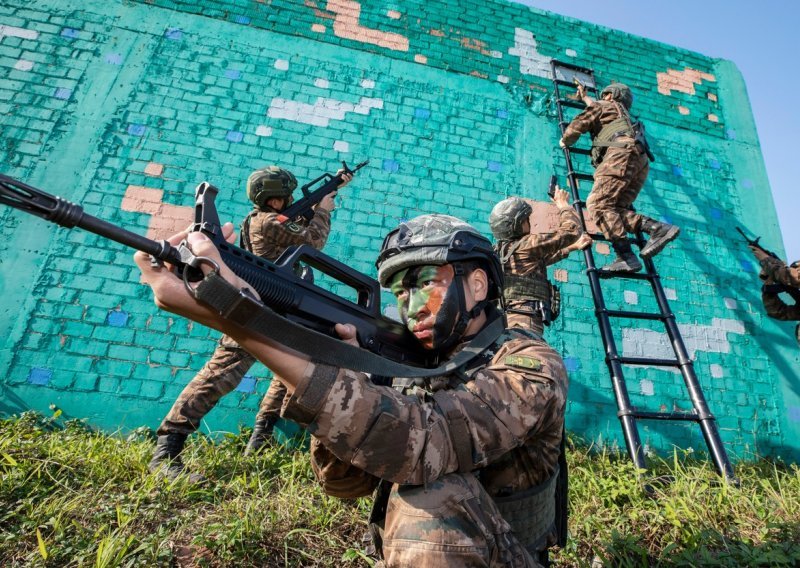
<point x="532" y="513"/>
<point x="538" y="290"/>
<point x="619" y="127"/>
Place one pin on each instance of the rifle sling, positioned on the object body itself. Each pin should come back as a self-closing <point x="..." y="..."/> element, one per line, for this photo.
<point x="240" y="307"/>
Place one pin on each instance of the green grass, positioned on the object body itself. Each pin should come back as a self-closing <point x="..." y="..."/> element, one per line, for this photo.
<point x="73" y="497"/>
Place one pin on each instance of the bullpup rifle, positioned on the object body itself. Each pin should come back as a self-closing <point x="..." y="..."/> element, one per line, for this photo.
<point x="304" y="207"/>
<point x="774" y="287"/>
<point x="279" y="286"/>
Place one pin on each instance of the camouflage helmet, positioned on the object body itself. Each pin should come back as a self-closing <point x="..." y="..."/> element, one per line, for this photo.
<point x="620" y="93"/>
<point x="268" y="182"/>
<point x="507" y="218"/>
<point x="438" y="240"/>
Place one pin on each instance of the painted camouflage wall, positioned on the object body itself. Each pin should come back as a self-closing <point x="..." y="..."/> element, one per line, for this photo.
<point x="126" y="106"/>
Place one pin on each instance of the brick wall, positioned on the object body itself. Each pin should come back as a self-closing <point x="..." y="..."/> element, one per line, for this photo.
<point x="125" y="107"/>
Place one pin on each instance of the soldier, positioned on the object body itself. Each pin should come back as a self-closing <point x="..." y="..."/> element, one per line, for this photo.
<point x="531" y="300"/>
<point x="620" y="157"/>
<point x="778" y="278"/>
<point x="468" y="462"/>
<point x="270" y="189"/>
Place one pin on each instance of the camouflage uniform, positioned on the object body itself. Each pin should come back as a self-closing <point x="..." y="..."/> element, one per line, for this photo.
<point x="441" y="511"/>
<point x="781" y="278"/>
<point x="229" y="362"/>
<point x="618" y="179"/>
<point x="448" y="454"/>
<point x="529" y="257"/>
<point x="776" y="270"/>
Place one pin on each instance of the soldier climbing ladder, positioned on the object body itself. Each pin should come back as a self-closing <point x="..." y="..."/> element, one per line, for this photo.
<point x="567" y="75"/>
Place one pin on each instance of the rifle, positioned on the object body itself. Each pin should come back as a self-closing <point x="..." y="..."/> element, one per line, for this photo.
<point x="773" y="288"/>
<point x="755" y="243"/>
<point x="304" y="207"/>
<point x="551" y="190"/>
<point x="280" y="288"/>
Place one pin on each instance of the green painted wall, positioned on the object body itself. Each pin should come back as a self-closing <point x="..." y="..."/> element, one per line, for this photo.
<point x="452" y="105"/>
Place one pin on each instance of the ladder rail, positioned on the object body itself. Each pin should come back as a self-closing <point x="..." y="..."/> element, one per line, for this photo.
<point x="627" y="413"/>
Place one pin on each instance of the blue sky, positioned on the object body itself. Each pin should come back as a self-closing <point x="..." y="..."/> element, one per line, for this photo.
<point x="761" y="39"/>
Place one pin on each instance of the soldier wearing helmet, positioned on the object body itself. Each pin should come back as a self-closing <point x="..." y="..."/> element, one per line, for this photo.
<point x="620" y="155"/>
<point x="779" y="278"/>
<point x="467" y="463"/>
<point x="531" y="300"/>
<point x="265" y="233"/>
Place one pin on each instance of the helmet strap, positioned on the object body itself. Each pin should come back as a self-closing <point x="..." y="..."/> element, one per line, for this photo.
<point x="464" y="315"/>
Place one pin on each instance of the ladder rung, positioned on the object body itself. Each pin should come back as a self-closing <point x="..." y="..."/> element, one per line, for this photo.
<point x="572" y="84"/>
<point x="688" y="416"/>
<point x="571" y="104"/>
<point x="584" y="177"/>
<point x="584" y="151"/>
<point x="629" y="276"/>
<point x="564" y="65"/>
<point x="633" y="315"/>
<point x="649" y="361"/>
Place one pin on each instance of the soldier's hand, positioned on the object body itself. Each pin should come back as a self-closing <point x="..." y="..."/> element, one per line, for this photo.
<point x="561" y="198"/>
<point x="561" y="143"/>
<point x="580" y="91"/>
<point x="583" y="242"/>
<point x="346" y="178"/>
<point x="169" y="291"/>
<point x="347" y="332"/>
<point x="328" y="202"/>
<point x="759" y="253"/>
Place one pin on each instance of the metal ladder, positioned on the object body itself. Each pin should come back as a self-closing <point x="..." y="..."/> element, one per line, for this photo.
<point x="564" y="75"/>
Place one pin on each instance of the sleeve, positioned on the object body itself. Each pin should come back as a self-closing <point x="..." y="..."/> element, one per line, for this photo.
<point x="409" y="439"/>
<point x="582" y="123"/>
<point x="780" y="273"/>
<point x="550" y="248"/>
<point x="777" y="308"/>
<point x="268" y="234"/>
<point x="338" y="478"/>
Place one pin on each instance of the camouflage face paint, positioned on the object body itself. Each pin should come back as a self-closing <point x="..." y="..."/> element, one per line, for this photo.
<point x="427" y="302"/>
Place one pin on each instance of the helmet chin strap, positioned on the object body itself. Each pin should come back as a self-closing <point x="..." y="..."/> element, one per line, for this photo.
<point x="464" y="315"/>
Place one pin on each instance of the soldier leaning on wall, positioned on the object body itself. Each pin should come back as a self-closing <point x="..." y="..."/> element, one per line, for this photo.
<point x="620" y="155"/>
<point x="263" y="233"/>
<point x="531" y="300"/>
<point x="779" y="278"/>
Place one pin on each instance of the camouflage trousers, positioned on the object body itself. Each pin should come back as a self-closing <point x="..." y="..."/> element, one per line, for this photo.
<point x="450" y="522"/>
<point x="617" y="183"/>
<point x="219" y="376"/>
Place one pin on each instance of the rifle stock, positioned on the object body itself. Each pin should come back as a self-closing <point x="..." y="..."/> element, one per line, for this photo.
<point x="277" y="283"/>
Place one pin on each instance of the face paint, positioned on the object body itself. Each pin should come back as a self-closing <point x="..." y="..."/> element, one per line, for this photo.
<point x="427" y="302"/>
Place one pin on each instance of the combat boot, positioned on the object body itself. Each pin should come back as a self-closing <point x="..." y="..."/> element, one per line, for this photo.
<point x="262" y="434"/>
<point x="167" y="461"/>
<point x="661" y="234"/>
<point x="626" y="262"/>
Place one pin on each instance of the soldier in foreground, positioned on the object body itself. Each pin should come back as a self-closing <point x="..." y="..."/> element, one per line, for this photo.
<point x="458" y="457"/>
<point x="263" y="233"/>
<point x="620" y="157"/>
<point x="531" y="300"/>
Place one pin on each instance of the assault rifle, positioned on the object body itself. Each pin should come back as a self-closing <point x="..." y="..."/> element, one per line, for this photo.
<point x="304" y="207"/>
<point x="279" y="287"/>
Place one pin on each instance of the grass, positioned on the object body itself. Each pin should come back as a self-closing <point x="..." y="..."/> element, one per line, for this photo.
<point x="73" y="497"/>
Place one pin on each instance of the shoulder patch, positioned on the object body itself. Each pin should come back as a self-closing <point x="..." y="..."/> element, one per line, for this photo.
<point x="523" y="362"/>
<point x="292" y="227"/>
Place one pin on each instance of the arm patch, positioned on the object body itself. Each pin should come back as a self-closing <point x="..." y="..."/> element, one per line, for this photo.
<point x="523" y="362"/>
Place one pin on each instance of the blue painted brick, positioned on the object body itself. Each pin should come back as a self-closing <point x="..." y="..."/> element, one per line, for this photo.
<point x="234" y="136"/>
<point x="239" y="19"/>
<point x="233" y="74"/>
<point x="136" y="129"/>
<point x="173" y="33"/>
<point x="117" y="318"/>
<point x="677" y="171"/>
<point x="70" y="33"/>
<point x="40" y="376"/>
<point x="494" y="166"/>
<point x="114" y="58"/>
<point x="247" y="385"/>
<point x="422" y="113"/>
<point x="62" y="93"/>
<point x="391" y="165"/>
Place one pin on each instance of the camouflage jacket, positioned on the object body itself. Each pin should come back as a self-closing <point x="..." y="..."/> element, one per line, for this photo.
<point x="776" y="270"/>
<point x="269" y="238"/>
<point x="591" y="120"/>
<point x="777" y="308"/>
<point x="513" y="407"/>
<point x="535" y="252"/>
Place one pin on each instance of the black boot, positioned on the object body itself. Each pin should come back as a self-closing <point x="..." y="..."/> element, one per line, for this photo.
<point x="661" y="234"/>
<point x="167" y="458"/>
<point x="626" y="262"/>
<point x="262" y="434"/>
